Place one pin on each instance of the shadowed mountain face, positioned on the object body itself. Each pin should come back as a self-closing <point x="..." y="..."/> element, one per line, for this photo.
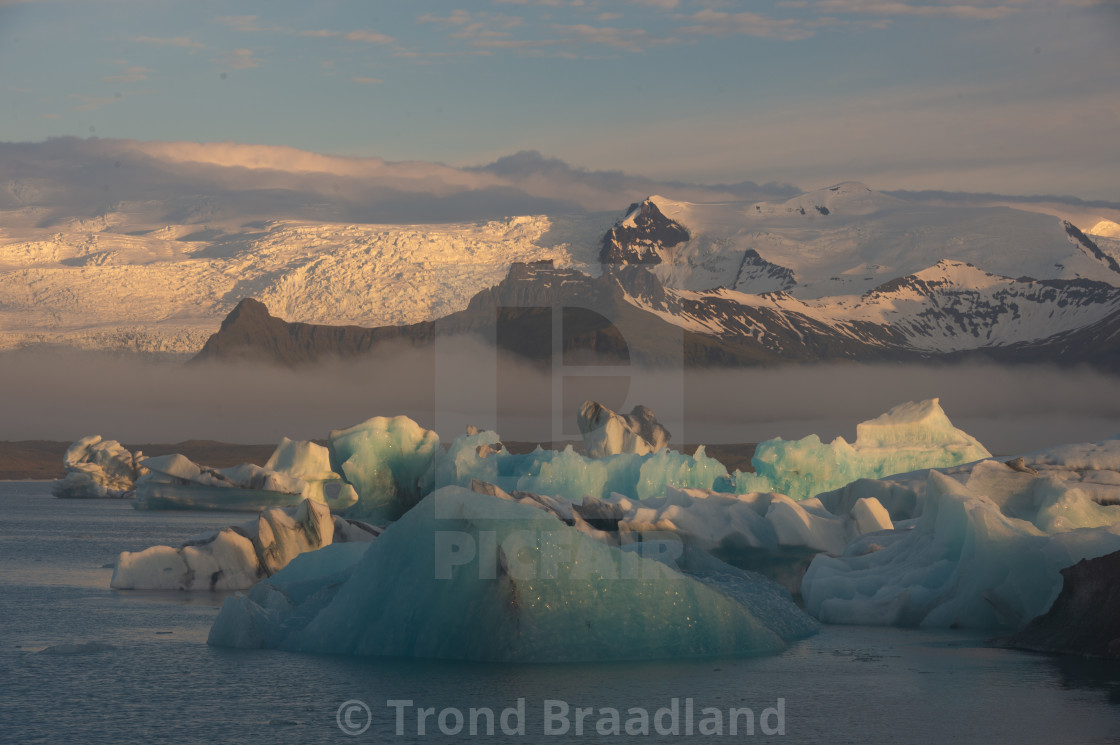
<point x="641" y="236"/>
<point x="1085" y="618"/>
<point x="674" y="290"/>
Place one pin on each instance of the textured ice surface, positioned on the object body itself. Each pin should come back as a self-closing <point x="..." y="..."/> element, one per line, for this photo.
<point x="237" y="557"/>
<point x="97" y="468"/>
<point x="908" y="437"/>
<point x="1020" y="485"/>
<point x="470" y="576"/>
<point x="311" y="463"/>
<point x="175" y="482"/>
<point x="389" y="462"/>
<point x="971" y="560"/>
<point x="566" y="473"/>
<point x="468" y="457"/>
<point x="763" y="532"/>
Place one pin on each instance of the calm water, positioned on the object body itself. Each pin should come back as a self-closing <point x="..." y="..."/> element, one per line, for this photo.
<point x="136" y="668"/>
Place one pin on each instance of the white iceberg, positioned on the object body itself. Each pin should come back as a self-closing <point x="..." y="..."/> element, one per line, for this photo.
<point x="762" y="532"/>
<point x="97" y="468"/>
<point x="606" y="432"/>
<point x="235" y="558"/>
<point x="295" y="471"/>
<point x="969" y="559"/>
<point x="908" y="437"/>
<point x="311" y="463"/>
<point x="469" y="576"/>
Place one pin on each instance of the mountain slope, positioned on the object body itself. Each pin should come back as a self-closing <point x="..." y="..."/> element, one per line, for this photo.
<point x="848" y="239"/>
<point x="627" y="314"/>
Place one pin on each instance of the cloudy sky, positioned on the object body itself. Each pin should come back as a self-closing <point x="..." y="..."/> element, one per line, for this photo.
<point x="1015" y="97"/>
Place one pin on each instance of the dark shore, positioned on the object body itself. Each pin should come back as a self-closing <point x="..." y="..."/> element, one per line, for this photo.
<point x="42" y="459"/>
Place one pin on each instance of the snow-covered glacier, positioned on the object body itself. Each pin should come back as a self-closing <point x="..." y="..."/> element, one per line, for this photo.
<point x="470" y="576"/>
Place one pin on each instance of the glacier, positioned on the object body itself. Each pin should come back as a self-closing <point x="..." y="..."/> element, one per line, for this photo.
<point x="469" y="576"/>
<point x="910" y="436"/>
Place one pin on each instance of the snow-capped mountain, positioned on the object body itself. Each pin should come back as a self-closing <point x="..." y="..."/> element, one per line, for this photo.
<point x="147" y="248"/>
<point x="844" y="240"/>
<point x="952" y="311"/>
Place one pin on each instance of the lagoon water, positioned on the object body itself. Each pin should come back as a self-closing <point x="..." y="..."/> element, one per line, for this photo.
<point x="81" y="663"/>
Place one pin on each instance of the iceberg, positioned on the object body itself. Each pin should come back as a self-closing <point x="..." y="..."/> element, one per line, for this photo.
<point x="761" y="532"/>
<point x="174" y="482"/>
<point x="311" y="463"/>
<point x="295" y="471"/>
<point x="909" y="437"/>
<point x="969" y="559"/>
<point x="235" y="558"/>
<point x="470" y="576"/>
<point x="606" y="432"/>
<point x="97" y="468"/>
<point x="389" y="462"/>
<point x="1031" y="487"/>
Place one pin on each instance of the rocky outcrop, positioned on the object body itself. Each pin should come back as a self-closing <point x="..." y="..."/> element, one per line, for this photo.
<point x="1085" y="618"/>
<point x="641" y="236"/>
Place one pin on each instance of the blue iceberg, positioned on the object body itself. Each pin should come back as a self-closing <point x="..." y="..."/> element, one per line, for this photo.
<point x="469" y="576"/>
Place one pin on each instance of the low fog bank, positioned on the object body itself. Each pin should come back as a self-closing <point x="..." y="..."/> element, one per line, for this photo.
<point x="64" y="395"/>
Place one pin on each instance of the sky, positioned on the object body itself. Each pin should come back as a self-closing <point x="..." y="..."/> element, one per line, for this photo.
<point x="1014" y="97"/>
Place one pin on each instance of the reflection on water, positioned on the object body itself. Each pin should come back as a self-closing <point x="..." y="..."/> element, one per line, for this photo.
<point x="133" y="667"/>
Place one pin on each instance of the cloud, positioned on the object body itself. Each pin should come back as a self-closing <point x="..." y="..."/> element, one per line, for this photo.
<point x="370" y="37"/>
<point x="238" y="59"/>
<point x="927" y="10"/>
<point x="183" y="42"/>
<point x="628" y="39"/>
<point x="241" y="23"/>
<point x="246" y="182"/>
<point x="92" y="103"/>
<point x="362" y="35"/>
<point x="131" y="74"/>
<point x="719" y="23"/>
<point x="367" y="81"/>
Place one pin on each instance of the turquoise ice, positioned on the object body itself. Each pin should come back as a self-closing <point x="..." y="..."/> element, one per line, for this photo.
<point x="909" y="437"/>
<point x="469" y="576"/>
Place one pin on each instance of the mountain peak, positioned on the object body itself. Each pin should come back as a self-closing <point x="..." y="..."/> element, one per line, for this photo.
<point x="248" y="310"/>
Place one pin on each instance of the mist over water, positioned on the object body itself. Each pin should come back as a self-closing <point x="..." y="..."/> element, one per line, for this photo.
<point x="62" y="395"/>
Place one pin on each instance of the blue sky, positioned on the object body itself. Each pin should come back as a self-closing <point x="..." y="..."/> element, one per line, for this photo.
<point x="1018" y="97"/>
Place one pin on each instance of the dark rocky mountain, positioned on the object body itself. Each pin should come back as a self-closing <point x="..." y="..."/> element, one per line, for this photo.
<point x="641" y="236"/>
<point x="627" y="314"/>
